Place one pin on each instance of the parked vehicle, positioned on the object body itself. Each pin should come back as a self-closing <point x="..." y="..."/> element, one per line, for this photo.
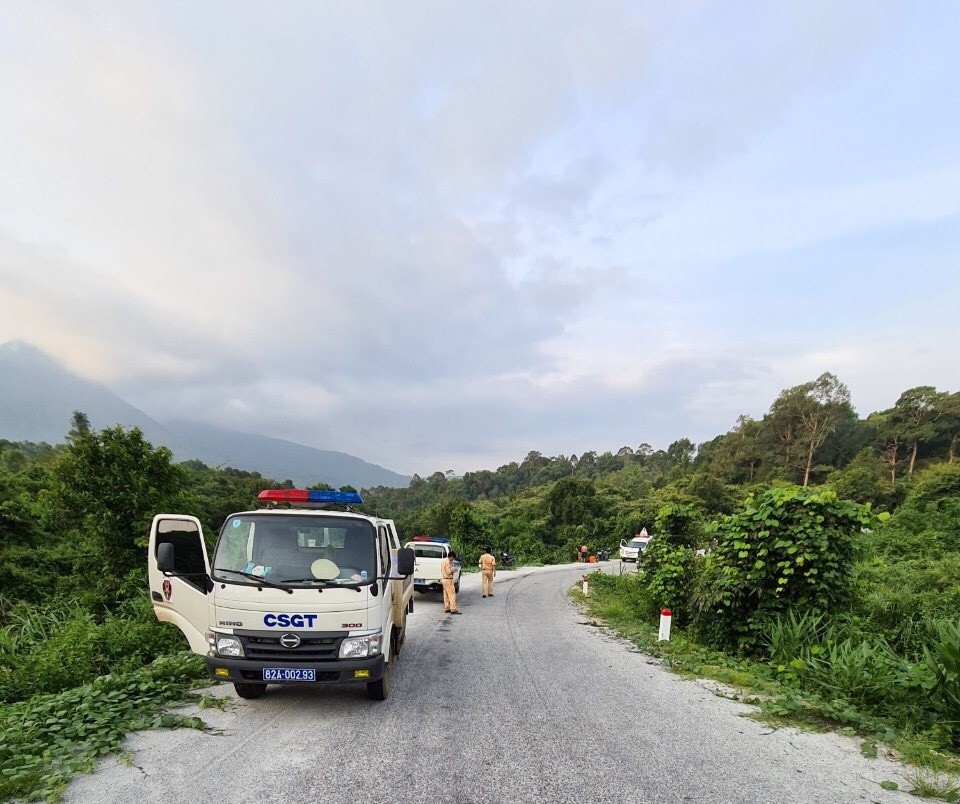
<point x="293" y="595"/>
<point x="603" y="555"/>
<point x="505" y="559"/>
<point x="428" y="553"/>
<point x="630" y="550"/>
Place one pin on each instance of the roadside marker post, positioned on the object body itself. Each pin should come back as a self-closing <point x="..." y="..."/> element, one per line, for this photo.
<point x="665" y="618"/>
<point x="586" y="586"/>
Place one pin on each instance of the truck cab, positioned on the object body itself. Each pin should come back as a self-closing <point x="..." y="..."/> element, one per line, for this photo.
<point x="299" y="594"/>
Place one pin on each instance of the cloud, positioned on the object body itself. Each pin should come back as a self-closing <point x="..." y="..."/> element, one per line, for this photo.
<point x="432" y="236"/>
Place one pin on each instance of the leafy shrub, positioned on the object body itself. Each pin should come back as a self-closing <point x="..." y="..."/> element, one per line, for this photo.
<point x="667" y="571"/>
<point x="678" y="524"/>
<point x="905" y="598"/>
<point x="54" y="648"/>
<point x="48" y="738"/>
<point x="929" y="518"/>
<point x="790" y="547"/>
<point x="943" y="662"/>
<point x="794" y="635"/>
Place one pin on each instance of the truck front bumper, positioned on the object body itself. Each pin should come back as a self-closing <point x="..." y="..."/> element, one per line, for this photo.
<point x="341" y="671"/>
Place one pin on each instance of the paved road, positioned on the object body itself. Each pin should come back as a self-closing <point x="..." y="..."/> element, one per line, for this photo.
<point x="517" y="700"/>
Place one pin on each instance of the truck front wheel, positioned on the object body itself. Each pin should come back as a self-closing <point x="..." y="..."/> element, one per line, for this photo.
<point x="250" y="691"/>
<point x="379" y="690"/>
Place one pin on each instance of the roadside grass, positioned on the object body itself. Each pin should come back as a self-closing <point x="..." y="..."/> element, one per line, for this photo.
<point x="46" y="739"/>
<point x="933" y="784"/>
<point x="778" y="703"/>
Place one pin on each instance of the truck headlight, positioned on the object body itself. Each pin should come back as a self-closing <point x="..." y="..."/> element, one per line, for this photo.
<point x="227" y="645"/>
<point x="360" y="647"/>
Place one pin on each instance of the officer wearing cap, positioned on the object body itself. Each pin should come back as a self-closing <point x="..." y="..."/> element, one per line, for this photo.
<point x="446" y="578"/>
<point x="488" y="569"/>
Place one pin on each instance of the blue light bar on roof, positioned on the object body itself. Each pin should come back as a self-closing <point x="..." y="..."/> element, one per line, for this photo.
<point x="294" y="496"/>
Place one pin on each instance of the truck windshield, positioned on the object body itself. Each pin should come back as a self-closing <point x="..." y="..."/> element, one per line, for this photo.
<point x="295" y="549"/>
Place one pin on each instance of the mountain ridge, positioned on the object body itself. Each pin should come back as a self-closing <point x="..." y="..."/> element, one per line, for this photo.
<point x="38" y="397"/>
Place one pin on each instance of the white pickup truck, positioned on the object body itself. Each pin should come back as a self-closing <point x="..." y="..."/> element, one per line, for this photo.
<point x="428" y="553"/>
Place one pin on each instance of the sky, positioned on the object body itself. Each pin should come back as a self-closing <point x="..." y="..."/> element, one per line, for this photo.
<point x="439" y="235"/>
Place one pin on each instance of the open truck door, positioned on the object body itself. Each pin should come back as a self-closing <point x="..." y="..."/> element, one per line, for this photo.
<point x="179" y="574"/>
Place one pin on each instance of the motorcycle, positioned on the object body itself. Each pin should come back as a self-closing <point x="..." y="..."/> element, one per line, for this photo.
<point x="603" y="555"/>
<point x="505" y="559"/>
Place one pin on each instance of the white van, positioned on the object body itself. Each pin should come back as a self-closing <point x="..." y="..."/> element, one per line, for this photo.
<point x="630" y="550"/>
<point x="299" y="594"/>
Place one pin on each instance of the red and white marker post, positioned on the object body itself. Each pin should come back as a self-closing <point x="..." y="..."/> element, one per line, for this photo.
<point x="665" y="618"/>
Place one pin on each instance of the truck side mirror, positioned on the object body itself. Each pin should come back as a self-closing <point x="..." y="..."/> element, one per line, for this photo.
<point x="165" y="557"/>
<point x="405" y="559"/>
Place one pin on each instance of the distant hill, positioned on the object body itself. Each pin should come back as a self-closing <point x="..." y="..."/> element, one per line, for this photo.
<point x="38" y="397"/>
<point x="282" y="460"/>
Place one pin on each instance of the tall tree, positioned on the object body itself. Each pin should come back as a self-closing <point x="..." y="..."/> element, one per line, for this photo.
<point x="805" y="415"/>
<point x="79" y="425"/>
<point x="110" y="483"/>
<point x="917" y="410"/>
<point x="889" y="440"/>
<point x="681" y="452"/>
<point x="951" y="422"/>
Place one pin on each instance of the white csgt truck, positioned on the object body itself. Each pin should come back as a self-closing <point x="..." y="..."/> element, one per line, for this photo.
<point x="299" y="594"/>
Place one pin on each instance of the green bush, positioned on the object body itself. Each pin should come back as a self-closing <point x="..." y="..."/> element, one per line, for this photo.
<point x="853" y="673"/>
<point x="793" y="636"/>
<point x="668" y="570"/>
<point x="943" y="662"/>
<point x="905" y="598"/>
<point x="929" y="518"/>
<point x="46" y="650"/>
<point x="48" y="738"/>
<point x="790" y="547"/>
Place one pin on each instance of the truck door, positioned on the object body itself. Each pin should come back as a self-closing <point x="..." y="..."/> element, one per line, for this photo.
<point x="181" y="598"/>
<point x="386" y="611"/>
<point x="404" y="590"/>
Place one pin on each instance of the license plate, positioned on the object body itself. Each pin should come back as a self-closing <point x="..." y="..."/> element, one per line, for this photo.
<point x="288" y="674"/>
<point x="419" y="581"/>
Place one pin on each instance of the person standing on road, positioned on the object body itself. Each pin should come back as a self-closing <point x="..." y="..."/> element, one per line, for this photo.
<point x="446" y="578"/>
<point x="488" y="569"/>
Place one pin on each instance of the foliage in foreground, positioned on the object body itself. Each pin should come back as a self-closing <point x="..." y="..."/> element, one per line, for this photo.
<point x="49" y="738"/>
<point x="48" y="649"/>
<point x="789" y="548"/>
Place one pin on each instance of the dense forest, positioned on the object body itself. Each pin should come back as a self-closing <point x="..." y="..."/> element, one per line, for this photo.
<point x="542" y="507"/>
<point x="756" y="532"/>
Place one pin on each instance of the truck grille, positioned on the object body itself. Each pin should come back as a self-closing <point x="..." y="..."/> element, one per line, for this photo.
<point x="310" y="649"/>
